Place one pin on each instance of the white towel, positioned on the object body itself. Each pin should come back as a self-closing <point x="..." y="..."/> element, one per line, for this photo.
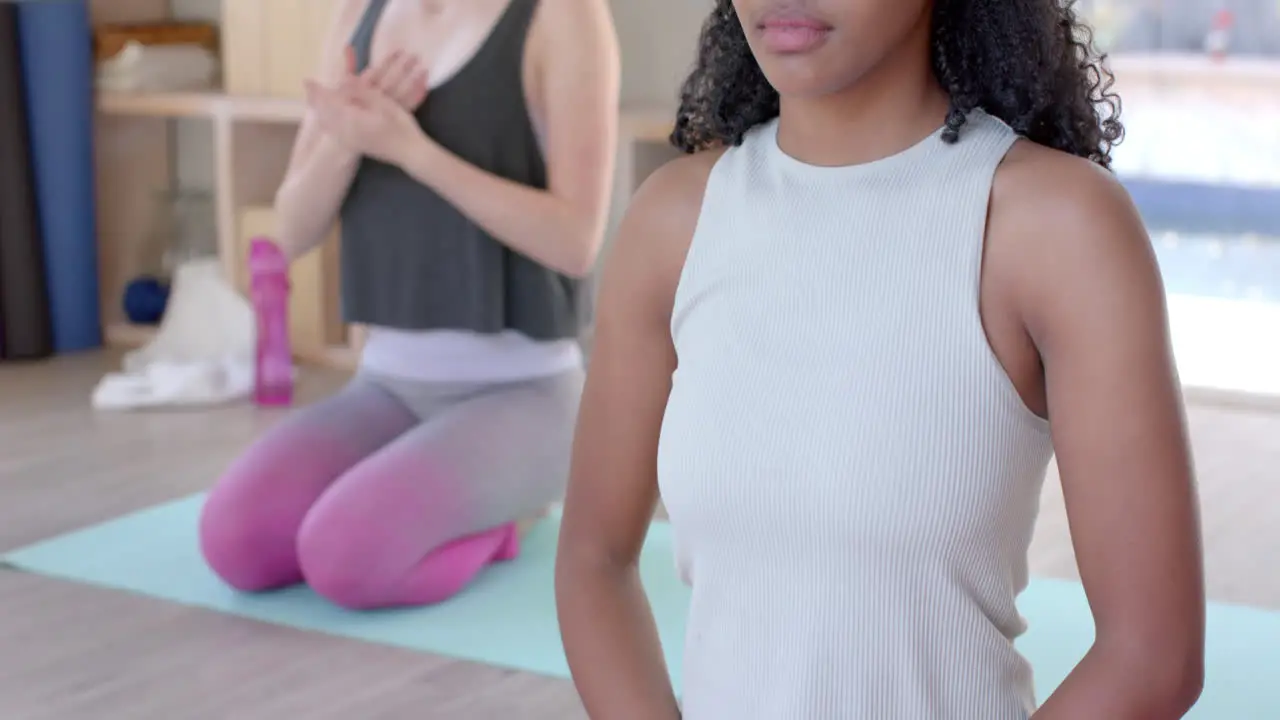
<point x="202" y="354"/>
<point x="173" y="384"/>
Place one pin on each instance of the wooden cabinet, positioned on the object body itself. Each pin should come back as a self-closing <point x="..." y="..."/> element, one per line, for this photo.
<point x="268" y="47"/>
<point x="271" y="46"/>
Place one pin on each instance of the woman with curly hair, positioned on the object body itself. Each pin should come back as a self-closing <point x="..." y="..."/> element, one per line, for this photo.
<point x="842" y="339"/>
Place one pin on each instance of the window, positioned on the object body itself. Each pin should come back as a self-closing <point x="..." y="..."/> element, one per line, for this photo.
<point x="1183" y="26"/>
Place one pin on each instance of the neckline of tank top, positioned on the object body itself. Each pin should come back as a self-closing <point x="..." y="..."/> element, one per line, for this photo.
<point x="485" y="47"/>
<point x="919" y="151"/>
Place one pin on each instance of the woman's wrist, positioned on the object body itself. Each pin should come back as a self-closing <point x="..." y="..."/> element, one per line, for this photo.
<point x="331" y="152"/>
<point x="419" y="157"/>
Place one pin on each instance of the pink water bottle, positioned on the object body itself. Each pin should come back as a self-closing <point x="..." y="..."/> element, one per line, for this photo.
<point x="269" y="287"/>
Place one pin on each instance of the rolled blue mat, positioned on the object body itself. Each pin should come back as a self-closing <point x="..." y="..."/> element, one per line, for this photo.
<point x="57" y="67"/>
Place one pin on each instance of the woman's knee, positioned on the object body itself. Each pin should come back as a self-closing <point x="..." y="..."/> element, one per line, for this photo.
<point x="244" y="539"/>
<point x="339" y="561"/>
<point x="357" y="544"/>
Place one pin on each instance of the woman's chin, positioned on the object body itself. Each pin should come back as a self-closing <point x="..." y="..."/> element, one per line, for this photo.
<point x="800" y="79"/>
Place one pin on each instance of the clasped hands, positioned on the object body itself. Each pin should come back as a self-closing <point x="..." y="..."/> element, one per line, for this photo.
<point x="371" y="112"/>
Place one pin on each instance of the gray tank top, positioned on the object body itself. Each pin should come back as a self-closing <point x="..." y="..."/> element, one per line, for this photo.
<point x="410" y="259"/>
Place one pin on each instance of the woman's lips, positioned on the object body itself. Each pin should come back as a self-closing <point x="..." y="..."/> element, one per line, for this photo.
<point x="793" y="33"/>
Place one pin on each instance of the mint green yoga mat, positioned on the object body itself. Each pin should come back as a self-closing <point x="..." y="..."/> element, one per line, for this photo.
<point x="507" y="618"/>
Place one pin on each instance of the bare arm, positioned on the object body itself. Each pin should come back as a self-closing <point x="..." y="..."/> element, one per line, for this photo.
<point x="320" y="170"/>
<point x="563" y="226"/>
<point x="605" y="619"/>
<point x="1094" y="305"/>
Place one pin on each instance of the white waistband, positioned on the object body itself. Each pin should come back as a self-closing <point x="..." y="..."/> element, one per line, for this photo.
<point x="463" y="356"/>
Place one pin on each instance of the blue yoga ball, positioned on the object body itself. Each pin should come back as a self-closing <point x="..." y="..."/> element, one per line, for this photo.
<point x="144" y="300"/>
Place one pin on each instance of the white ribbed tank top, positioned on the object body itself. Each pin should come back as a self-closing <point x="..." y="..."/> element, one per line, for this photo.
<point x="852" y="478"/>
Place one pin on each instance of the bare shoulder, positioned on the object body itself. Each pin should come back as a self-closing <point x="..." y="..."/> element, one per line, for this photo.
<point x="658" y="226"/>
<point x="672" y="195"/>
<point x="1077" y="194"/>
<point x="1061" y="227"/>
<point x="574" y="27"/>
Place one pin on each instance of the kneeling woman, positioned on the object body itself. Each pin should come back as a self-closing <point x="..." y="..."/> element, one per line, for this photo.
<point x="469" y="218"/>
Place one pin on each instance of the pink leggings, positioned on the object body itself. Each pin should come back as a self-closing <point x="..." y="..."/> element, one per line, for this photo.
<point x="391" y="493"/>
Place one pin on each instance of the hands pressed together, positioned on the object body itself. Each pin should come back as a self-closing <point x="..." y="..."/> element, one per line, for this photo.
<point x="371" y="112"/>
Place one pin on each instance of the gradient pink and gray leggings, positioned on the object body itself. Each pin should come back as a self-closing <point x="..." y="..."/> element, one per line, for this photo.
<point x="392" y="492"/>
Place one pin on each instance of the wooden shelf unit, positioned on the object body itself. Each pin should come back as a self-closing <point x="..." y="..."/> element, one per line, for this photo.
<point x="251" y="145"/>
<point x="133" y="161"/>
<point x="208" y="105"/>
<point x="251" y="141"/>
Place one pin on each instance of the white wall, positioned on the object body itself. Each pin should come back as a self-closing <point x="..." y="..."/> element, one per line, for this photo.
<point x="658" y="39"/>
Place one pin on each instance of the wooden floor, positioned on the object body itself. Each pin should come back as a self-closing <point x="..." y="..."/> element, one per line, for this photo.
<point x="72" y="652"/>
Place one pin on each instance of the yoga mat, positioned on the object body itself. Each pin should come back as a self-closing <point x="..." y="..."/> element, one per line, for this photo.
<point x="57" y="66"/>
<point x="24" y="305"/>
<point x="507" y="618"/>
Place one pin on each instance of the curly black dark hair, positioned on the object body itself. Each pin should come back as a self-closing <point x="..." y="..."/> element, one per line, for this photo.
<point x="1031" y="64"/>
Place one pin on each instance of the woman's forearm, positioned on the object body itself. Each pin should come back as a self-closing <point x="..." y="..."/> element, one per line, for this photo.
<point x="529" y="220"/>
<point x="612" y="644"/>
<point x="310" y="197"/>
<point x="1125" y="686"/>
